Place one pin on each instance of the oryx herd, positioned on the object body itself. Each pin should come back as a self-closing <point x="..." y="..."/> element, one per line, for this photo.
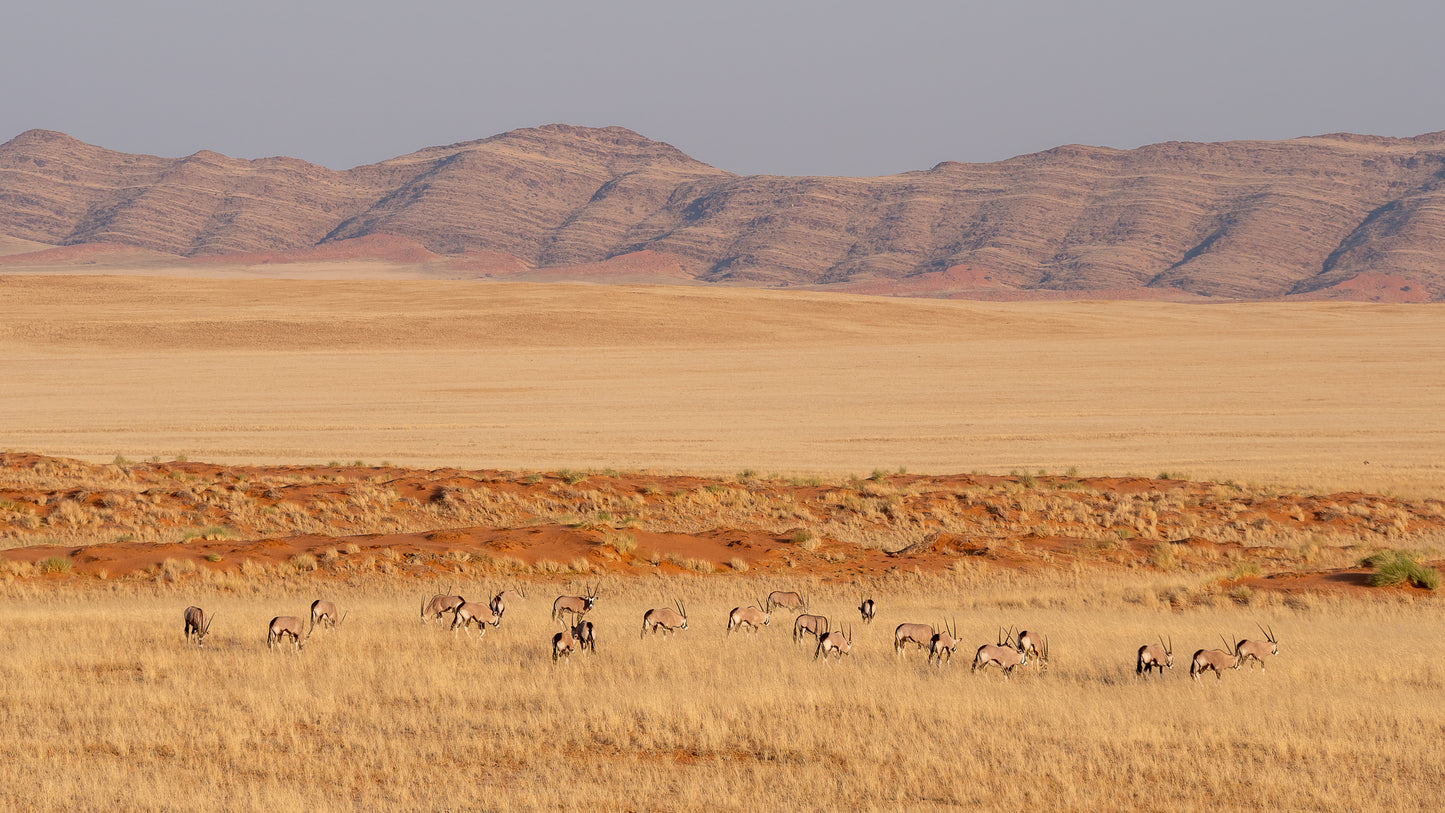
<point x="578" y="634"/>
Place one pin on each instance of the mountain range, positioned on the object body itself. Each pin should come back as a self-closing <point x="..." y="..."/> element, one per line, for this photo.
<point x="1348" y="216"/>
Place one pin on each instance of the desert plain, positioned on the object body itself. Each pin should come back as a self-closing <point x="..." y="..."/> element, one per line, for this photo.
<point x="1109" y="472"/>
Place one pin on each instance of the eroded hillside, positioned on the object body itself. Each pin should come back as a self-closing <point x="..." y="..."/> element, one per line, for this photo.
<point x="1330" y="216"/>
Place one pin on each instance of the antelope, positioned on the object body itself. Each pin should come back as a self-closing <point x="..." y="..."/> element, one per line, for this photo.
<point x="198" y="624"/>
<point x="814" y="625"/>
<point x="499" y="602"/>
<point x="1215" y="659"/>
<point x="325" y="612"/>
<point x="562" y="645"/>
<point x="439" y="604"/>
<point x="284" y="625"/>
<point x="470" y="613"/>
<point x="584" y="635"/>
<point x="754" y="617"/>
<point x="1252" y="650"/>
<point x="1036" y="647"/>
<point x="1155" y="657"/>
<point x="943" y="643"/>
<point x="866" y="609"/>
<point x="837" y="643"/>
<point x="788" y="600"/>
<point x="578" y="606"/>
<point x="1005" y="654"/>
<point x="668" y="619"/>
<point x="920" y="634"/>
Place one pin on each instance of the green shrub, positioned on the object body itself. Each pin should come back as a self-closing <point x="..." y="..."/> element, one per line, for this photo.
<point x="1399" y="567"/>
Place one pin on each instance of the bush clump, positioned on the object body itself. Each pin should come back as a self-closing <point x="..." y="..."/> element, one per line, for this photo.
<point x="1399" y="567"/>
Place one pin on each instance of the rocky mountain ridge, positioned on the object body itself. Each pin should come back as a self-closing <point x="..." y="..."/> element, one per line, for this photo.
<point x="1337" y="215"/>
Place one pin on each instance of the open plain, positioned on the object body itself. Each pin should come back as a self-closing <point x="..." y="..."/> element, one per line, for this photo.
<point x="1106" y="472"/>
<point x="461" y="373"/>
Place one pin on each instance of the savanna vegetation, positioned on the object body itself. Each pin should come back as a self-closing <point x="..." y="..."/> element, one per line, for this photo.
<point x="107" y="708"/>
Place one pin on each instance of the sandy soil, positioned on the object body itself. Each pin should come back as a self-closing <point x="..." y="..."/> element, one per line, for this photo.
<point x="91" y="516"/>
<point x="477" y="375"/>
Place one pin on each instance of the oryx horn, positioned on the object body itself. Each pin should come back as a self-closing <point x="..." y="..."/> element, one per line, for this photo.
<point x="1227" y="647"/>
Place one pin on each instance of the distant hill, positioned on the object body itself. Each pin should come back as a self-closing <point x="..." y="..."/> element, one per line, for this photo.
<point x="1347" y="216"/>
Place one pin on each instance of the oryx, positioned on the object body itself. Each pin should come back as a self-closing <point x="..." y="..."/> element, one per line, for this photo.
<point x="324" y="612"/>
<point x="287" y="625"/>
<point x="788" y="600"/>
<point x="666" y="618"/>
<point x="197" y="624"/>
<point x="1155" y="657"/>
<point x="1216" y="659"/>
<point x="1036" y="647"/>
<point x="814" y="625"/>
<point x="837" y="643"/>
<point x="1253" y="650"/>
<point x="943" y="644"/>
<point x="562" y="644"/>
<point x="1005" y="654"/>
<point x="584" y="633"/>
<point x="471" y="612"/>
<point x="753" y="617"/>
<point x="500" y="601"/>
<point x="867" y="610"/>
<point x="439" y="604"/>
<point x="904" y="634"/>
<point x="578" y="606"/>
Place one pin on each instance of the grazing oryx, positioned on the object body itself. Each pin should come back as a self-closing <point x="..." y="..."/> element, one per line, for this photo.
<point x="471" y="612"/>
<point x="666" y="618"/>
<point x="324" y="612"/>
<point x="500" y="601"/>
<point x="788" y="600"/>
<point x="754" y="617"/>
<point x="562" y="644"/>
<point x="814" y="625"/>
<point x="284" y="625"/>
<point x="867" y="610"/>
<point x="943" y="644"/>
<point x="198" y="624"/>
<point x="1036" y="647"/>
<point x="1155" y="657"/>
<point x="920" y="634"/>
<point x="837" y="643"/>
<point x="439" y="604"/>
<point x="1005" y="654"/>
<point x="585" y="636"/>
<point x="578" y="606"/>
<point x="1252" y="650"/>
<point x="1215" y="659"/>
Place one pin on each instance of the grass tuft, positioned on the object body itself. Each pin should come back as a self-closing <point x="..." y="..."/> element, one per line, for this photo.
<point x="1396" y="567"/>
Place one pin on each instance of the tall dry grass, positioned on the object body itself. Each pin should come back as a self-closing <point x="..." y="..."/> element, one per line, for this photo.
<point x="105" y="708"/>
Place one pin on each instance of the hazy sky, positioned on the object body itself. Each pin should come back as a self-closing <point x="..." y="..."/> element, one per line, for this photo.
<point x="792" y="88"/>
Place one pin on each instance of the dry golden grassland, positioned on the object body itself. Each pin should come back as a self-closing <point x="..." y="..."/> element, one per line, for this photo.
<point x="106" y="708"/>
<point x="715" y="381"/>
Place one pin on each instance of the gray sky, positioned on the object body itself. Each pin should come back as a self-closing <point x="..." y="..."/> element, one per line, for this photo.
<point x="791" y="88"/>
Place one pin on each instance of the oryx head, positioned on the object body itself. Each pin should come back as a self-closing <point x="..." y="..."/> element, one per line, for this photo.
<point x="1269" y="636"/>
